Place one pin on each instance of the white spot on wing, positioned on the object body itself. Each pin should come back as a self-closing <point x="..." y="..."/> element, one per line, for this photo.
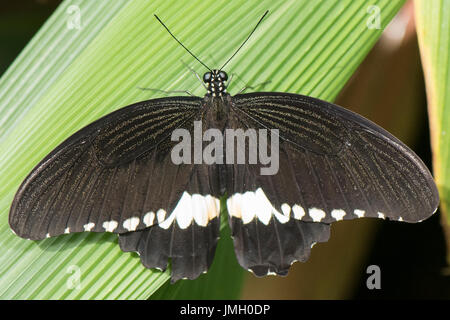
<point x="263" y="207"/>
<point x="198" y="208"/>
<point x="149" y="218"/>
<point x="244" y="206"/>
<point x="299" y="212"/>
<point x="251" y="204"/>
<point x="316" y="214"/>
<point x="234" y="205"/>
<point x="381" y="215"/>
<point x="359" y="213"/>
<point x="67" y="230"/>
<point x="400" y="219"/>
<point x="161" y="215"/>
<point x="131" y="223"/>
<point x="338" y="214"/>
<point x="110" y="226"/>
<point x="213" y="207"/>
<point x="182" y="213"/>
<point x="89" y="226"/>
<point x="286" y="209"/>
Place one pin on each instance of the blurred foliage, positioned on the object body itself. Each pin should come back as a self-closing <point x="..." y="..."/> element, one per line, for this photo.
<point x="19" y="21"/>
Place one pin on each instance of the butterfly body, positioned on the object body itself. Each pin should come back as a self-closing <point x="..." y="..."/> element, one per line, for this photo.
<point x="215" y="82"/>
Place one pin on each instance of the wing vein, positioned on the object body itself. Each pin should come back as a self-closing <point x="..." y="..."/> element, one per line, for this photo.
<point x="53" y="201"/>
<point x="109" y="186"/>
<point x="279" y="244"/>
<point x="69" y="173"/>
<point x="356" y="181"/>
<point x="127" y="189"/>
<point x="297" y="184"/>
<point x="327" y="160"/>
<point x="89" y="194"/>
<point x="374" y="183"/>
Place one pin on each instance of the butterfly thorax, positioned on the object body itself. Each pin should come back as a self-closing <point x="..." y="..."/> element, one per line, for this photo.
<point x="215" y="82"/>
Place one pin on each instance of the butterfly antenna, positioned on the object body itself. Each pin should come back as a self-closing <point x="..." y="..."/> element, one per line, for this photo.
<point x="245" y="40"/>
<point x="182" y="44"/>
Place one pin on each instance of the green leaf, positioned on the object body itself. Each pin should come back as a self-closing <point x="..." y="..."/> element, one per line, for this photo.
<point x="433" y="29"/>
<point x="66" y="78"/>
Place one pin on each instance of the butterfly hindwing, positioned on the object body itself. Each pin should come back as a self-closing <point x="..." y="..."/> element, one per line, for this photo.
<point x="188" y="237"/>
<point x="266" y="240"/>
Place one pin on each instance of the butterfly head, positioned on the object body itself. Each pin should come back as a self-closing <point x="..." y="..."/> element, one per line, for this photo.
<point x="215" y="82"/>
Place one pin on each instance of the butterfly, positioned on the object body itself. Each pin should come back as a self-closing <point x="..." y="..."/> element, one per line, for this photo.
<point x="136" y="172"/>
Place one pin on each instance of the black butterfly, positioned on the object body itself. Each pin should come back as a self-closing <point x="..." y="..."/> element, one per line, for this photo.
<point x="118" y="175"/>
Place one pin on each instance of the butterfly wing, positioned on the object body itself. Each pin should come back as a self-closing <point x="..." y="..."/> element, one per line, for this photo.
<point x="333" y="165"/>
<point x="116" y="175"/>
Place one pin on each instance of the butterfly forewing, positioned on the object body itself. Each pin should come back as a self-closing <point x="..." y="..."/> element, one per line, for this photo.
<point x="90" y="184"/>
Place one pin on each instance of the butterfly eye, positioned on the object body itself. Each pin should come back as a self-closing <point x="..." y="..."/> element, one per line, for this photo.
<point x="207" y="77"/>
<point x="223" y="76"/>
